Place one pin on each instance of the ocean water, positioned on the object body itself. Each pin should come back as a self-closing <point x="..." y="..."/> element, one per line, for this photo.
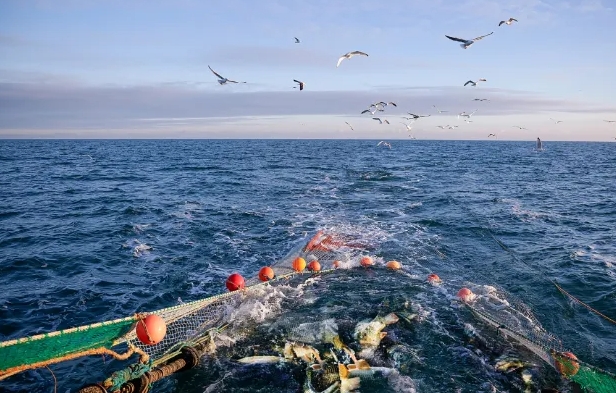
<point x="97" y="230"/>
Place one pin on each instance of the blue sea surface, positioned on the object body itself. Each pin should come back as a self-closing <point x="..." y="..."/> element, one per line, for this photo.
<point x="94" y="230"/>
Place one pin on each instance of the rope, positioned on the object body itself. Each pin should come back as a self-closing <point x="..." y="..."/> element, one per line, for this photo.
<point x="96" y="351"/>
<point x="583" y="304"/>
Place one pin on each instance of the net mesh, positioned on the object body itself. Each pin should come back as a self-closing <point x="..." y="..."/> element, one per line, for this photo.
<point x="517" y="322"/>
<point x="186" y="324"/>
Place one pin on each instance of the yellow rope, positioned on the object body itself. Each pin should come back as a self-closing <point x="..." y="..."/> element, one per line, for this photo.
<point x="96" y="351"/>
<point x="582" y="303"/>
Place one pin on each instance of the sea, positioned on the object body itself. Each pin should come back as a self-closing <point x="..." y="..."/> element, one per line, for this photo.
<point x="95" y="230"/>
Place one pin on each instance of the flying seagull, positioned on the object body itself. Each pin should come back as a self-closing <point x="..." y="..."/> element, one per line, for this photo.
<point x="392" y="103"/>
<point x="301" y="84"/>
<point x="472" y="83"/>
<point x="368" y="111"/>
<point x="384" y="144"/>
<point x="494" y="135"/>
<point x="481" y="99"/>
<point x="349" y="125"/>
<point x="379" y="119"/>
<point x="610" y="121"/>
<point x="222" y="80"/>
<point x="466" y="43"/>
<point x="296" y="40"/>
<point x="556" y="121"/>
<point x="521" y="128"/>
<point x="349" y="55"/>
<point x="409" y="127"/>
<point x="464" y="114"/>
<point x="439" y="111"/>
<point x="417" y="116"/>
<point x="508" y="22"/>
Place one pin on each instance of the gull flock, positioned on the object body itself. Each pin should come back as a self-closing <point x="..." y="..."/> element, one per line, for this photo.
<point x="380" y="106"/>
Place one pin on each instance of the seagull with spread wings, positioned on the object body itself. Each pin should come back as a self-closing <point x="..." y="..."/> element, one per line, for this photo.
<point x="466" y="43"/>
<point x="439" y="111"/>
<point x="296" y="40"/>
<point x="473" y="83"/>
<point x="221" y="79"/>
<point x="349" y="55"/>
<point x="301" y="84"/>
<point x="508" y="21"/>
<point x="349" y="125"/>
<point x="380" y="121"/>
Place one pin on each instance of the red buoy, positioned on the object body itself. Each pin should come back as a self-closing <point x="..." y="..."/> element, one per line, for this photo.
<point x="566" y="364"/>
<point x="433" y="279"/>
<point x="337" y="264"/>
<point x="465" y="294"/>
<point x="314" y="266"/>
<point x="151" y="329"/>
<point x="235" y="282"/>
<point x="266" y="273"/>
<point x="366" y="261"/>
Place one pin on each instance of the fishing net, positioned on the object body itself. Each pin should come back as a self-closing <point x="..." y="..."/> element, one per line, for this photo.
<point x="186" y="324"/>
<point x="514" y="320"/>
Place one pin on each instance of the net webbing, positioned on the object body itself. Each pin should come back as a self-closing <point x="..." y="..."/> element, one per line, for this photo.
<point x="186" y="324"/>
<point x="594" y="380"/>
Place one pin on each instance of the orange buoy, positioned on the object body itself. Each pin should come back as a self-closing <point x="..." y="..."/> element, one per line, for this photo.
<point x="151" y="329"/>
<point x="266" y="273"/>
<point x="337" y="264"/>
<point x="393" y="265"/>
<point x="314" y="266"/>
<point x="299" y="264"/>
<point x="465" y="294"/>
<point x="366" y="261"/>
<point x="433" y="279"/>
<point x="566" y="364"/>
<point x="235" y="282"/>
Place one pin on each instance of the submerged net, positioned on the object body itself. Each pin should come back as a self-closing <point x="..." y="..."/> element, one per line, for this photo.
<point x="518" y="323"/>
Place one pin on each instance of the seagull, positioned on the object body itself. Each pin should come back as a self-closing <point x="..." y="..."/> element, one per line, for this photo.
<point x="349" y="55"/>
<point x="556" y="121"/>
<point x="443" y="127"/>
<point x="452" y="127"/>
<point x="296" y="40"/>
<point x="301" y="84"/>
<point x="350" y="125"/>
<point x="439" y="111"/>
<point x="368" y="111"/>
<point x="481" y="99"/>
<point x="408" y="126"/>
<point x="521" y="128"/>
<point x="508" y="22"/>
<point x="464" y="114"/>
<point x="222" y="80"/>
<point x="475" y="83"/>
<point x="379" y="119"/>
<point x="392" y="103"/>
<point x="466" y="43"/>
<point x="610" y="121"/>
<point x="417" y="116"/>
<point x="494" y="135"/>
<point x="384" y="144"/>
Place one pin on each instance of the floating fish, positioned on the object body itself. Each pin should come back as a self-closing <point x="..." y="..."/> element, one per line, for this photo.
<point x="369" y="333"/>
<point x="261" y="359"/>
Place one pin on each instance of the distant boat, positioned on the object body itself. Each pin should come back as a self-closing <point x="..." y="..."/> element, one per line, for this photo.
<point x="539" y="145"/>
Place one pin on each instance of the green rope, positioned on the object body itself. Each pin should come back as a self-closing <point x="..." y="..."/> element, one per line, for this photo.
<point x="120" y="377"/>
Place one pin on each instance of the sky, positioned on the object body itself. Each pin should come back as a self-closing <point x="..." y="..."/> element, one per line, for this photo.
<point x="139" y="69"/>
